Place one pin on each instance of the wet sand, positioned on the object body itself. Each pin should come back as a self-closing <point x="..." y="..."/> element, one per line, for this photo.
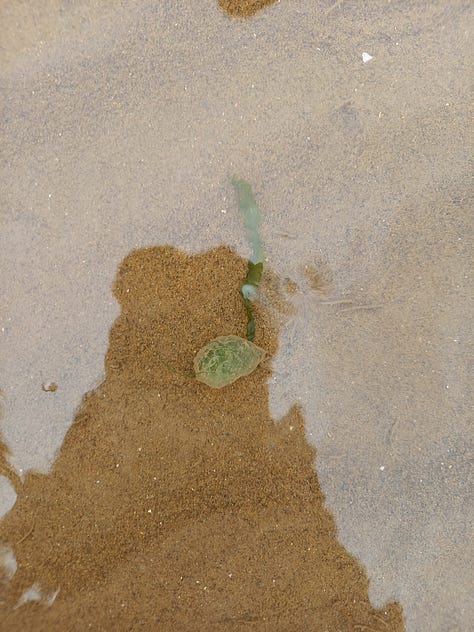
<point x="122" y="125"/>
<point x="176" y="506"/>
<point x="243" y="8"/>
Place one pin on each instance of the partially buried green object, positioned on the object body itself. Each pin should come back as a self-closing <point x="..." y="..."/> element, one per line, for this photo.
<point x="226" y="358"/>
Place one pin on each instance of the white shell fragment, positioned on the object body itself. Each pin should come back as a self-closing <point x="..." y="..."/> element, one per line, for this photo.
<point x="366" y="57"/>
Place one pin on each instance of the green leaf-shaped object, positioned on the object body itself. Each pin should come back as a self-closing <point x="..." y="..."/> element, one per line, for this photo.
<point x="226" y="358"/>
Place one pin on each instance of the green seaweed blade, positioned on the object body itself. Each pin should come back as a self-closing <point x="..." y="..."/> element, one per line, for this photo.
<point x="251" y="215"/>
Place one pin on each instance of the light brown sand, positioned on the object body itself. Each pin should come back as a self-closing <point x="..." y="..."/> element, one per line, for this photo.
<point x="174" y="506"/>
<point x="243" y="8"/>
<point x="122" y="124"/>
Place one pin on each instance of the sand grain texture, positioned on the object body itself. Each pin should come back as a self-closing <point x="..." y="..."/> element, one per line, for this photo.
<point x="243" y="8"/>
<point x="174" y="506"/>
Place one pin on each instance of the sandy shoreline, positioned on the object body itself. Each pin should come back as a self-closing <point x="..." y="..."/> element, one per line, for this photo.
<point x="122" y="125"/>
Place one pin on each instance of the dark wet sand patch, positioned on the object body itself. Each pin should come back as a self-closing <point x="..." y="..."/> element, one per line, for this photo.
<point x="243" y="8"/>
<point x="173" y="506"/>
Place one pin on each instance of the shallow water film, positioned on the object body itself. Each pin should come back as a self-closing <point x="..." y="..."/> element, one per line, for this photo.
<point x="329" y="489"/>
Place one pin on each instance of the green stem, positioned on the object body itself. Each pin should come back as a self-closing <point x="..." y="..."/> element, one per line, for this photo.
<point x="248" y="287"/>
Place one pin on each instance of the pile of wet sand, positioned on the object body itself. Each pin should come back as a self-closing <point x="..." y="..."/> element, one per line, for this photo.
<point x="174" y="506"/>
